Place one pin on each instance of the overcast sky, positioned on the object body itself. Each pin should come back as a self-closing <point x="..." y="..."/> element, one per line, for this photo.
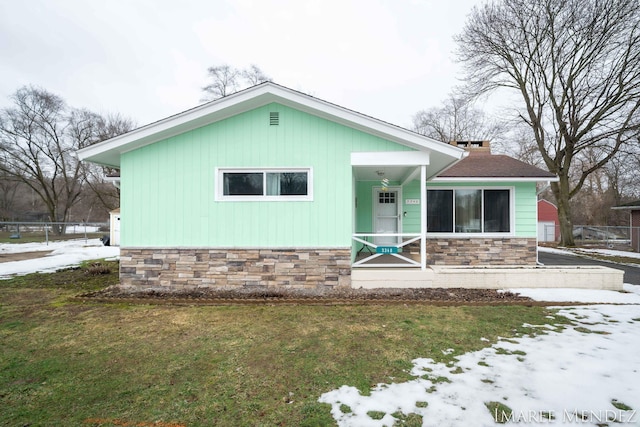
<point x="147" y="59"/>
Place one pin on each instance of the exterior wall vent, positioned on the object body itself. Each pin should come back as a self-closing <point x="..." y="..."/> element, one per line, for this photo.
<point x="274" y="118"/>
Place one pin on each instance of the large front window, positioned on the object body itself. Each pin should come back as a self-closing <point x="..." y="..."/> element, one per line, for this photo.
<point x="281" y="184"/>
<point x="469" y="211"/>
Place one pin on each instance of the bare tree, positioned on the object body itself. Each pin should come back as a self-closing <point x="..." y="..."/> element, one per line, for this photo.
<point x="520" y="145"/>
<point x="8" y="189"/>
<point x="226" y="80"/>
<point x="254" y="75"/>
<point x="39" y="135"/>
<point x="95" y="128"/>
<point x="457" y="120"/>
<point x="101" y="192"/>
<point x="575" y="65"/>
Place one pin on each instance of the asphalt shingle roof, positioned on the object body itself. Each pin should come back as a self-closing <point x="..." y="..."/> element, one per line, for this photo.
<point x="484" y="165"/>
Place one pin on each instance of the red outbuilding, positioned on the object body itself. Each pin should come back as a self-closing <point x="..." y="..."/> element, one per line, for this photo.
<point x="548" y="222"/>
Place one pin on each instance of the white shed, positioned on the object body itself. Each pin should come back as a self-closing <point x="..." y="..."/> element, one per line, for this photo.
<point x="114" y="227"/>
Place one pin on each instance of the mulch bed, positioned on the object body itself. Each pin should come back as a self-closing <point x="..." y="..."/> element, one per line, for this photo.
<point x="427" y="296"/>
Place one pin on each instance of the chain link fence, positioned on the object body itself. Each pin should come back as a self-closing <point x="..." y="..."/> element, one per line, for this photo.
<point x="611" y="237"/>
<point x="29" y="232"/>
<point x="623" y="238"/>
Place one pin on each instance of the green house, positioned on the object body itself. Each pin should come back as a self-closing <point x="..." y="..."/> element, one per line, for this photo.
<point x="273" y="187"/>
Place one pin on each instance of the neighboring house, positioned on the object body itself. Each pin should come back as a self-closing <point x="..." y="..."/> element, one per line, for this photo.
<point x="634" y="222"/>
<point x="548" y="222"/>
<point x="273" y="187"/>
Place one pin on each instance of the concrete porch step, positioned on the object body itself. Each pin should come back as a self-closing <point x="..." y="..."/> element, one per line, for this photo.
<point x="497" y="277"/>
<point x="371" y="278"/>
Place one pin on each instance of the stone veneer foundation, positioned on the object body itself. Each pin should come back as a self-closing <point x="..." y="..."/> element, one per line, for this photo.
<point x="482" y="251"/>
<point x="181" y="269"/>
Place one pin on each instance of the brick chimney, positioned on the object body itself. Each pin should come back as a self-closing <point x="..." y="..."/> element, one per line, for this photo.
<point x="474" y="147"/>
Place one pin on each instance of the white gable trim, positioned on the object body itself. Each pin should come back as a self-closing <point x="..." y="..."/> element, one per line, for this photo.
<point x="390" y="158"/>
<point x="108" y="152"/>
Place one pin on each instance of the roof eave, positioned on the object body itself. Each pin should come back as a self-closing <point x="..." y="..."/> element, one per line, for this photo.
<point x="626" y="207"/>
<point x="494" y="179"/>
<point x="108" y="152"/>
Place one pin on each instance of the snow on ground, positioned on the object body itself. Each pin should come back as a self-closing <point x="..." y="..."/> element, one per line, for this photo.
<point x="607" y="252"/>
<point x="64" y="254"/>
<point x="555" y="251"/>
<point x="564" y="377"/>
<point x="582" y="295"/>
<point x="610" y="252"/>
<point x="15" y="248"/>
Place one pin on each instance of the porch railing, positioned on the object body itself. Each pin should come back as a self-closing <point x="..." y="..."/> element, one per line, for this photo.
<point x="385" y="249"/>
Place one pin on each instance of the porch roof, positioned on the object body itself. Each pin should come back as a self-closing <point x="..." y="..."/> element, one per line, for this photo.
<point x="400" y="166"/>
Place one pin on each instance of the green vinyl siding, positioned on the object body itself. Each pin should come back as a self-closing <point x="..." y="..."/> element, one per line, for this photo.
<point x="364" y="209"/>
<point x="411" y="220"/>
<point x="525" y="202"/>
<point x="168" y="188"/>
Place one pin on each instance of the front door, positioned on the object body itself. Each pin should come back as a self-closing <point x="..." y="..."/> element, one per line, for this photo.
<point x="386" y="215"/>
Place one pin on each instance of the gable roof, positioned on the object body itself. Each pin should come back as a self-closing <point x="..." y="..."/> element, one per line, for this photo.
<point x="546" y="202"/>
<point x="487" y="167"/>
<point x="108" y="152"/>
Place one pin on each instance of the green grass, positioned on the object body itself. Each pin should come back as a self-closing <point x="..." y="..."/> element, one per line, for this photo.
<point x="86" y="364"/>
<point x="409" y="420"/>
<point x="620" y="405"/>
<point x="500" y="412"/>
<point x="590" y="331"/>
<point x="376" y="415"/>
<point x="79" y="279"/>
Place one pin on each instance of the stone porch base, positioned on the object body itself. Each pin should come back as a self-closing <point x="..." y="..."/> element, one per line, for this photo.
<point x="181" y="269"/>
<point x="482" y="251"/>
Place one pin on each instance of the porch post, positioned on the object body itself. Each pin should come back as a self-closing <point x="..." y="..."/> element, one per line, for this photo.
<point x="423" y="217"/>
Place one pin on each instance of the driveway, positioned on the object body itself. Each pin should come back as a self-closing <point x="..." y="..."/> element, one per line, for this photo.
<point x="631" y="273"/>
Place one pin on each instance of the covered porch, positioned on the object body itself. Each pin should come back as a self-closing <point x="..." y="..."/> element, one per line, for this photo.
<point x="389" y="212"/>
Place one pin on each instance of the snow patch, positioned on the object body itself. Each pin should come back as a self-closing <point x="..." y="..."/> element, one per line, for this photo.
<point x="555" y="251"/>
<point x="584" y="251"/>
<point x="631" y="296"/>
<point x="64" y="254"/>
<point x="567" y="372"/>
<point x="610" y="252"/>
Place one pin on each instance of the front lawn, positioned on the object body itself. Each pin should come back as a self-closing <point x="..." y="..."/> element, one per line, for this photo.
<point x="84" y="364"/>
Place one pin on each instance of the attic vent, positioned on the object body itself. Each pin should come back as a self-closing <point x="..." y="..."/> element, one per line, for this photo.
<point x="274" y="118"/>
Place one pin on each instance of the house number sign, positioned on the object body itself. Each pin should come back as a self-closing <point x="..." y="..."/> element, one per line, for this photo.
<point x="412" y="201"/>
<point x="387" y="249"/>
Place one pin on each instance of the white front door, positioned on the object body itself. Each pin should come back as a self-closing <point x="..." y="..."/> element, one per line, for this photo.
<point x="386" y="215"/>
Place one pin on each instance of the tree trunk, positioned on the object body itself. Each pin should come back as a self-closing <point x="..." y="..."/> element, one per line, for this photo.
<point x="561" y="192"/>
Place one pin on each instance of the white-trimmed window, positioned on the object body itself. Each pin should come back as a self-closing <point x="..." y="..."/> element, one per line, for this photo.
<point x="264" y="184"/>
<point x="470" y="210"/>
